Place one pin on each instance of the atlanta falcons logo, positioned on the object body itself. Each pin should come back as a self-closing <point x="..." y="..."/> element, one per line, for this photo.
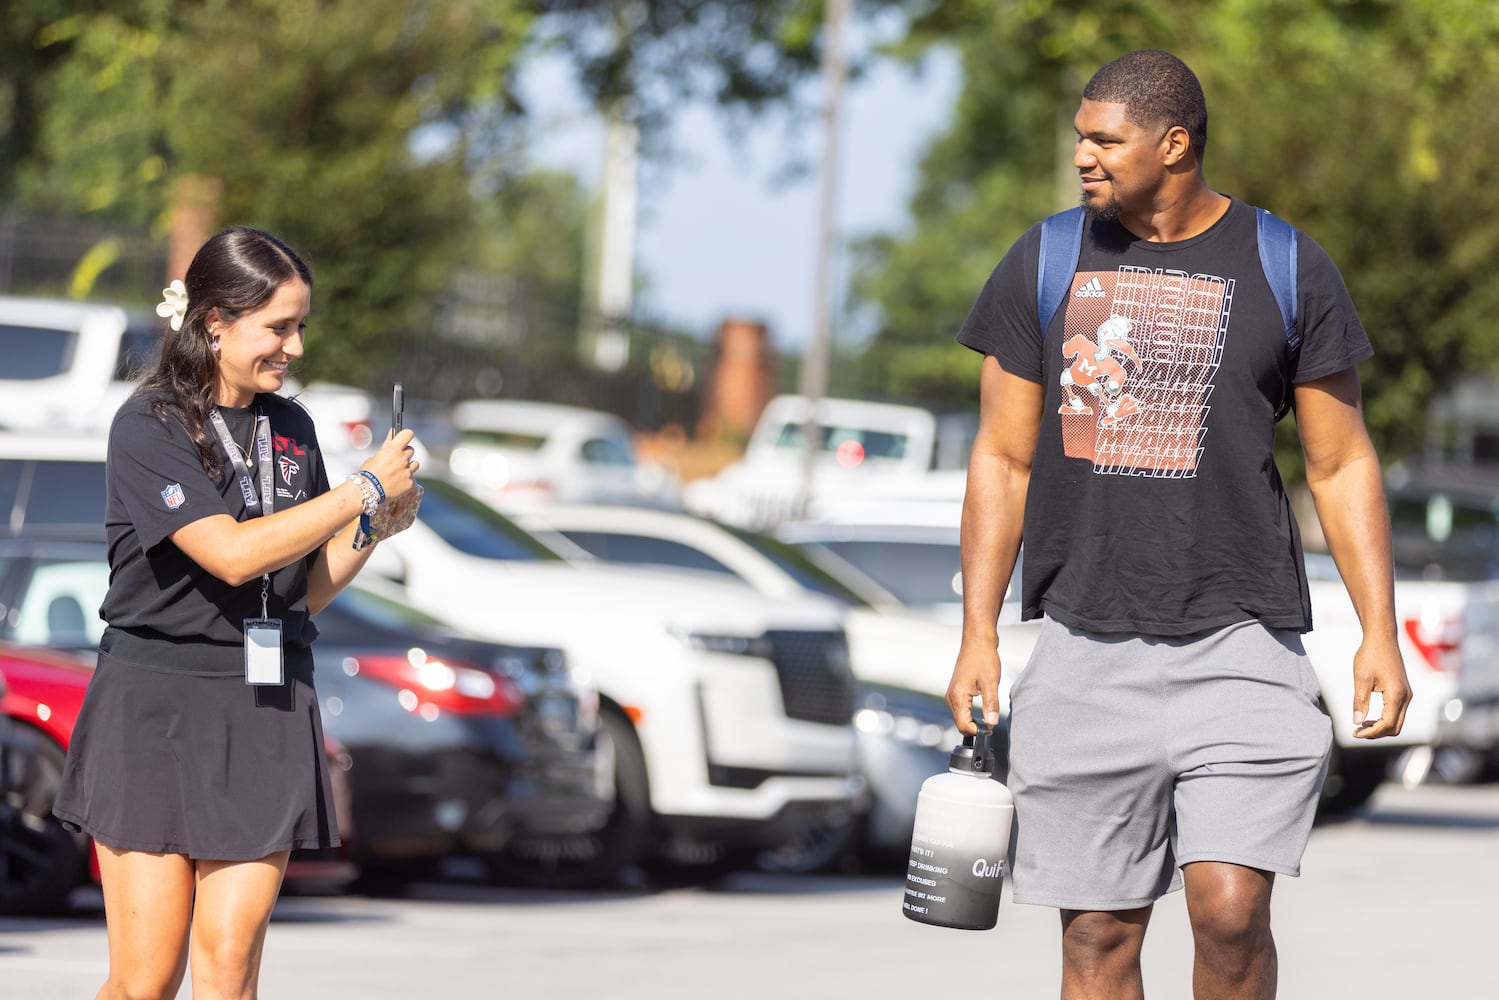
<point x="289" y="468"/>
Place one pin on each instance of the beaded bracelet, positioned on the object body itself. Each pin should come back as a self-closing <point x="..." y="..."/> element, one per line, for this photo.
<point x="367" y="474"/>
<point x="372" y="496"/>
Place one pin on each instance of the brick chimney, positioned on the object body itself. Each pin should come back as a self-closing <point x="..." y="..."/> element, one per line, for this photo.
<point x="194" y="218"/>
<point x="741" y="383"/>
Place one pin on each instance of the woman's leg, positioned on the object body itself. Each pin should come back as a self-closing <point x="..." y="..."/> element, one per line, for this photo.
<point x="148" y="907"/>
<point x="235" y="899"/>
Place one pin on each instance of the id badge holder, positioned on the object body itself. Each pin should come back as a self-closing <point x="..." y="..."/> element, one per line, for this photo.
<point x="263" y="663"/>
<point x="263" y="651"/>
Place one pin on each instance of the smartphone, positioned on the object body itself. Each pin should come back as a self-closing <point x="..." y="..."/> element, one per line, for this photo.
<point x="397" y="407"/>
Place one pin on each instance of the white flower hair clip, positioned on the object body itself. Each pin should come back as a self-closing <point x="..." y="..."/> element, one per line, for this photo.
<point x="173" y="303"/>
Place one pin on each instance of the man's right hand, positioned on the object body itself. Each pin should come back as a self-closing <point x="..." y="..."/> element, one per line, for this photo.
<point x="976" y="675"/>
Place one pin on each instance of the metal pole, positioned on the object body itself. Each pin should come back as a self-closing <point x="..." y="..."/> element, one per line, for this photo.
<point x="814" y="374"/>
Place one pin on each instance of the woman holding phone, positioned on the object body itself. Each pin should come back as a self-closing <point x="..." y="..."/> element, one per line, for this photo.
<point x="197" y="764"/>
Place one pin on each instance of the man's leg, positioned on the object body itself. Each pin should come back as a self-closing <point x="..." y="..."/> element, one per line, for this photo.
<point x="235" y="899"/>
<point x="1229" y="906"/>
<point x="148" y="904"/>
<point x="1101" y="954"/>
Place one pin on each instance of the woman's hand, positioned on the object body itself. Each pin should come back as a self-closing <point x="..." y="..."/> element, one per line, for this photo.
<point x="394" y="464"/>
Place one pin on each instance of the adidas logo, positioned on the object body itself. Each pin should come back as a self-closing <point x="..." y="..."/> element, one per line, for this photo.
<point x="1092" y="290"/>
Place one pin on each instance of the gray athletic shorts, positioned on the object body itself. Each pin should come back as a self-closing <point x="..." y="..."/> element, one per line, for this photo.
<point x="1131" y="756"/>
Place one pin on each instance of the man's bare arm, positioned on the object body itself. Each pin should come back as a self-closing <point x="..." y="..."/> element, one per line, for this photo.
<point x="1343" y="472"/>
<point x="999" y="471"/>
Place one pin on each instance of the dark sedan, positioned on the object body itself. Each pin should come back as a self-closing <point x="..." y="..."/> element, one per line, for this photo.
<point x="452" y="745"/>
<point x="457" y="745"/>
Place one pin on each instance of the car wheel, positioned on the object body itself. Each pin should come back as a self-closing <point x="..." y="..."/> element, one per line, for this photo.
<point x="388" y="879"/>
<point x="41" y="861"/>
<point x="597" y="858"/>
<point x="829" y="845"/>
<point x="1352" y="779"/>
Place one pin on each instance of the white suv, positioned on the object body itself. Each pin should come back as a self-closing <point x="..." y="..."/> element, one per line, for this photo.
<point x="68" y="364"/>
<point x="729" y="712"/>
<point x="517" y="453"/>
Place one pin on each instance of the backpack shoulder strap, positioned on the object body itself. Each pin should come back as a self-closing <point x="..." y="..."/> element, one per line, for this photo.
<point x="1061" y="239"/>
<point x="1277" y="242"/>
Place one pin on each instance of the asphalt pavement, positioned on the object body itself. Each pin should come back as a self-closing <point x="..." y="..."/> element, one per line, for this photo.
<point x="1395" y="904"/>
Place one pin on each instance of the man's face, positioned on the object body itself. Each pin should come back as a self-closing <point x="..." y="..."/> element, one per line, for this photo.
<point x="1120" y="163"/>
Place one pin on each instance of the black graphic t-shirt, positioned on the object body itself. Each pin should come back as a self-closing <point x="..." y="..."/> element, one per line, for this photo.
<point x="1154" y="503"/>
<point x="162" y="605"/>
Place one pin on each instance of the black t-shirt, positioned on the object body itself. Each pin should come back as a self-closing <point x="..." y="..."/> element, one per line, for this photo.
<point x="163" y="606"/>
<point x="1154" y="503"/>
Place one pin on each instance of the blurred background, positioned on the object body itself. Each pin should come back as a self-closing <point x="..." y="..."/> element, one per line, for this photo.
<point x="487" y="190"/>
<point x="702" y="258"/>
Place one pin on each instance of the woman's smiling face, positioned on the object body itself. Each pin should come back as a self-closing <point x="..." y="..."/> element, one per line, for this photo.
<point x="255" y="350"/>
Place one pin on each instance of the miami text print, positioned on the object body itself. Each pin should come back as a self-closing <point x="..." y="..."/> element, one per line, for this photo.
<point x="1140" y="350"/>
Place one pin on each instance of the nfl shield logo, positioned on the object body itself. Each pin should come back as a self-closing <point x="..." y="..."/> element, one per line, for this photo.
<point x="174" y="496"/>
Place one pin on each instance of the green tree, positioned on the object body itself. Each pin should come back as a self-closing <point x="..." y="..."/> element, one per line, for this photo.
<point x="1358" y="120"/>
<point x="345" y="126"/>
<point x="742" y="55"/>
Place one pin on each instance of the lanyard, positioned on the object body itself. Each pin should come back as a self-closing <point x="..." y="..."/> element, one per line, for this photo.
<point x="266" y="502"/>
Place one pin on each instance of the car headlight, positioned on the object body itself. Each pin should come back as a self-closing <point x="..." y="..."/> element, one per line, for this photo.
<point x="734" y="645"/>
<point x="925" y="722"/>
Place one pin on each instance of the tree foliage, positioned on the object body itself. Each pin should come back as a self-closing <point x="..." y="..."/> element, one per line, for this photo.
<point x="341" y="125"/>
<point x="381" y="138"/>
<point x="741" y="55"/>
<point x="1358" y="120"/>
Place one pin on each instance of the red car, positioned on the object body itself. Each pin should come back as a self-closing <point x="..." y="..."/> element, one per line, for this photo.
<point x="41" y="862"/>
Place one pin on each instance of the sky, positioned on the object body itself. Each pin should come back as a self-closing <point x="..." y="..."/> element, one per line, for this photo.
<point x="722" y="232"/>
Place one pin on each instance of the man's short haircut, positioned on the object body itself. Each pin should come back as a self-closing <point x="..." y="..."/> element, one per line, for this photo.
<point x="1156" y="89"/>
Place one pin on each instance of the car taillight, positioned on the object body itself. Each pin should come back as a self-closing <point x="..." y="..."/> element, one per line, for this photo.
<point x="537" y="489"/>
<point x="361" y="434"/>
<point x="850" y="454"/>
<point x="429" y="686"/>
<point x="1437" y="638"/>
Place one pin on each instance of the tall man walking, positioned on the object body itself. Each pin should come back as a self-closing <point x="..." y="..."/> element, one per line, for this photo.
<point x="1166" y="729"/>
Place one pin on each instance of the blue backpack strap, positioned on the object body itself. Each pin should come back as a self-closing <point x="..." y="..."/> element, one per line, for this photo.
<point x="1061" y="239"/>
<point x="1277" y="241"/>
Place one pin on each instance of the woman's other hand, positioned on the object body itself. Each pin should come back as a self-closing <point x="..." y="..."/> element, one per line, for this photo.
<point x="394" y="464"/>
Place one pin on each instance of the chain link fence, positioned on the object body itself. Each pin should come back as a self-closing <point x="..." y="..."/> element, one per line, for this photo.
<point x="73" y="258"/>
<point x="489" y="335"/>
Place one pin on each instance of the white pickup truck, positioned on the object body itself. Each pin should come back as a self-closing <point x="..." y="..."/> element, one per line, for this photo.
<point x="1441" y="624"/>
<point x="912" y="550"/>
<point x="864" y="449"/>
<point x="67" y="363"/>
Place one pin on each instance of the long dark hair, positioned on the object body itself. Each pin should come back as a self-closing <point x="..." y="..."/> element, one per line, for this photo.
<point x="237" y="271"/>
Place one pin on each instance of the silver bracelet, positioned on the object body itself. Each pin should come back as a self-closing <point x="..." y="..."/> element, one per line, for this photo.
<point x="367" y="490"/>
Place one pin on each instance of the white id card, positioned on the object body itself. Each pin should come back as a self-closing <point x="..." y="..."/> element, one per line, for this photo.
<point x="263" y="651"/>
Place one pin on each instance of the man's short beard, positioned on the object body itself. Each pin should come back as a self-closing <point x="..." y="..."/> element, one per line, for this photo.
<point x="1109" y="211"/>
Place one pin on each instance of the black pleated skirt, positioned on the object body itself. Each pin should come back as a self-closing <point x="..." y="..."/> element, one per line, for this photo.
<point x="201" y="765"/>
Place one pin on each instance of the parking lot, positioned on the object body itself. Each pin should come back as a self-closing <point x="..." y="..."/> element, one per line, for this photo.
<point x="1392" y="904"/>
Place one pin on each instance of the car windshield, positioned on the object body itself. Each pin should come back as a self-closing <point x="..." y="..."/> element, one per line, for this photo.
<point x="606" y="451"/>
<point x="138" y="350"/>
<point x="32" y="352"/>
<point x="52" y="497"/>
<point x="918" y="573"/>
<point x="59" y="605"/>
<point x="515" y="440"/>
<point x="1447" y="536"/>
<point x="378" y="610"/>
<point x="474" y="528"/>
<point x="839" y="440"/>
<point x="804" y="570"/>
